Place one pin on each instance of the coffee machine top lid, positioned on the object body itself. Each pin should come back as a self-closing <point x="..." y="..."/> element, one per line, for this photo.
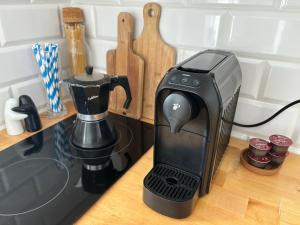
<point x="203" y="62"/>
<point x="90" y="78"/>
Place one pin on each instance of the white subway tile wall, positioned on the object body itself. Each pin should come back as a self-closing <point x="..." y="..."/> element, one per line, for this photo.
<point x="22" y="23"/>
<point x="235" y="2"/>
<point x="204" y="25"/>
<point x="89" y="17"/>
<point x="290" y="4"/>
<point x="8" y="2"/>
<point x="27" y="22"/>
<point x="283" y="82"/>
<point x="50" y="1"/>
<point x="98" y="49"/>
<point x="107" y="17"/>
<point x="263" y="33"/>
<point x="251" y="111"/>
<point x="16" y="62"/>
<point x="253" y="71"/>
<point x="33" y="88"/>
<point x="4" y="95"/>
<point x="162" y="2"/>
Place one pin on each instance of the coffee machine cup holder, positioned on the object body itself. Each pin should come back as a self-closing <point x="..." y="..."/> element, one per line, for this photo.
<point x="171" y="191"/>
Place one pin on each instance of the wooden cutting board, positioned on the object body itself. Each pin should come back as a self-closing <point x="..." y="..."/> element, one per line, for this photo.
<point x="158" y="56"/>
<point x="123" y="61"/>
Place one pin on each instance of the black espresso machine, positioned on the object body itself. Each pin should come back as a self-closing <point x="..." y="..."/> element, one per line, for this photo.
<point x="194" y="105"/>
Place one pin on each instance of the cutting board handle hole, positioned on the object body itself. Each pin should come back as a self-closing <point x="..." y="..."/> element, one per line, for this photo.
<point x="123" y="20"/>
<point x="151" y="12"/>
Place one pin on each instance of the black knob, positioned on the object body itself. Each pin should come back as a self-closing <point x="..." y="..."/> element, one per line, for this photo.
<point x="89" y="70"/>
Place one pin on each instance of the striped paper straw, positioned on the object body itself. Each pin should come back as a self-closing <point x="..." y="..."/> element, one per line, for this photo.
<point x="53" y="82"/>
<point x="54" y="69"/>
<point x="47" y="62"/>
<point x="37" y="53"/>
<point x="48" y="78"/>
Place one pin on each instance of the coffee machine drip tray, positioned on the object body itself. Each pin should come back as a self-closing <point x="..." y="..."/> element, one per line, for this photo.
<point x="171" y="191"/>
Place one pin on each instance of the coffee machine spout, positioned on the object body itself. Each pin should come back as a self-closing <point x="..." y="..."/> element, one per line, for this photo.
<point x="178" y="108"/>
<point x="174" y="128"/>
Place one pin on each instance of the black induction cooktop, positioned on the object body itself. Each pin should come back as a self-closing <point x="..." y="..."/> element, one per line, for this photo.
<point x="45" y="182"/>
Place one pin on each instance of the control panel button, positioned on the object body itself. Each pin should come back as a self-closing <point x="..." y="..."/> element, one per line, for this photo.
<point x="184" y="80"/>
<point x="173" y="78"/>
<point x="196" y="83"/>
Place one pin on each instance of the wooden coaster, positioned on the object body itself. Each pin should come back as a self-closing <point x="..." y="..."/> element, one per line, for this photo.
<point x="269" y="170"/>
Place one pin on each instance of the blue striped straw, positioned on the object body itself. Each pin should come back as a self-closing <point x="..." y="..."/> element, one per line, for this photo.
<point x="52" y="62"/>
<point x="47" y="61"/>
<point x="49" y="78"/>
<point x="55" y="60"/>
<point x="37" y="53"/>
<point x="51" y="83"/>
<point x="54" y="69"/>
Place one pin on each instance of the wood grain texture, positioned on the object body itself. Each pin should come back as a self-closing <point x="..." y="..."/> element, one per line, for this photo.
<point x="158" y="56"/>
<point x="238" y="196"/>
<point x="123" y="61"/>
<point x="111" y="60"/>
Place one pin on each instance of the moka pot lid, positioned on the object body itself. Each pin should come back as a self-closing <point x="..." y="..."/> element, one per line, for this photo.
<point x="89" y="79"/>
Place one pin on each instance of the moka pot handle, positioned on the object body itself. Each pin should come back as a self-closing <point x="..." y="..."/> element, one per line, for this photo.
<point x="122" y="81"/>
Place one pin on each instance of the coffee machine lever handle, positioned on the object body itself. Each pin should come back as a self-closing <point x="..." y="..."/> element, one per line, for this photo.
<point x="122" y="81"/>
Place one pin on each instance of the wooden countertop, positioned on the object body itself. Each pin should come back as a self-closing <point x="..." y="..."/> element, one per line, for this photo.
<point x="7" y="140"/>
<point x="237" y="195"/>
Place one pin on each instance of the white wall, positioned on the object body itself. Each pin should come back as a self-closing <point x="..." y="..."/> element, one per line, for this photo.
<point x="263" y="33"/>
<point x="22" y="23"/>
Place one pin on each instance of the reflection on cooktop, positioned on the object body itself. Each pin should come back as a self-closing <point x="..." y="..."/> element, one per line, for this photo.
<point x="20" y="196"/>
<point x="44" y="181"/>
<point x="124" y="139"/>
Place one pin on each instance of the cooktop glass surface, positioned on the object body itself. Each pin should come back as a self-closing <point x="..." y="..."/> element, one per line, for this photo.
<point x="45" y="181"/>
